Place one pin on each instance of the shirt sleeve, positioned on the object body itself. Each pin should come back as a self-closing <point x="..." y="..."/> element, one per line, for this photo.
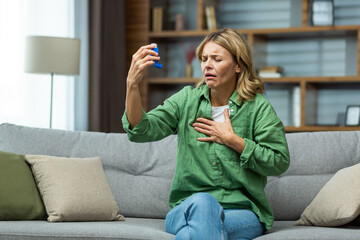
<point x="267" y="154"/>
<point x="157" y="123"/>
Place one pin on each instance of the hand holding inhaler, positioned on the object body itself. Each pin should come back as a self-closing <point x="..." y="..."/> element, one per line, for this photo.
<point x="144" y="57"/>
<point x="156" y="49"/>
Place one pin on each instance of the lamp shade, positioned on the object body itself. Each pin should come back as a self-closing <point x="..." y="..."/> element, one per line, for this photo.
<point x="52" y="55"/>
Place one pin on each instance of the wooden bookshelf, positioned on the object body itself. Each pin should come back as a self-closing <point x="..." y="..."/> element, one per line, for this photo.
<point x="281" y="32"/>
<point x="344" y="79"/>
<point x="261" y="37"/>
<point x="172" y="80"/>
<point x="319" y="128"/>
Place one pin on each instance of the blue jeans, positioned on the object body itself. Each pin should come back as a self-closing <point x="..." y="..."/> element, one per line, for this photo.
<point x="201" y="217"/>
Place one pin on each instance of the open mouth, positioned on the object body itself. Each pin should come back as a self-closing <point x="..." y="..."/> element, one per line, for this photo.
<point x="210" y="76"/>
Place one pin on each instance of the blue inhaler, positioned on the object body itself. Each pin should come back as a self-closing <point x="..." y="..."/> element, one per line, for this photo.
<point x="156" y="49"/>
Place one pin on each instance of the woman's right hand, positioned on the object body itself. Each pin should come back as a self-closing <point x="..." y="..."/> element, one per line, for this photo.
<point x="140" y="61"/>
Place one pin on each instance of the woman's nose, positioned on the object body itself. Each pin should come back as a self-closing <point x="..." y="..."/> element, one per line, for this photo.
<point x="208" y="64"/>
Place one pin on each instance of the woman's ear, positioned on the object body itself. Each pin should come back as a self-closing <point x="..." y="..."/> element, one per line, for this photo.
<point x="237" y="70"/>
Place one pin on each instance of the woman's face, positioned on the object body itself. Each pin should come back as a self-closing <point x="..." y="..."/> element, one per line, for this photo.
<point x="218" y="66"/>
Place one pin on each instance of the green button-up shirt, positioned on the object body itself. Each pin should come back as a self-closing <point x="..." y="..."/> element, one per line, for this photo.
<point x="236" y="180"/>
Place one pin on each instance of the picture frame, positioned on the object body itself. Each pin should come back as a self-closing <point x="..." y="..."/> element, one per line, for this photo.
<point x="322" y="12"/>
<point x="352" y="116"/>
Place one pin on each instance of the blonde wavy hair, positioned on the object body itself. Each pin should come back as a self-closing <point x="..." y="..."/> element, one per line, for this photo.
<point x="248" y="84"/>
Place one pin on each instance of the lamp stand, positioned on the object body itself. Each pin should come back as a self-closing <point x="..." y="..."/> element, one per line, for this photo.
<point x="51" y="97"/>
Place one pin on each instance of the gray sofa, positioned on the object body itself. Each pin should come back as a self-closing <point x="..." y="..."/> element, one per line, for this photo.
<point x="140" y="176"/>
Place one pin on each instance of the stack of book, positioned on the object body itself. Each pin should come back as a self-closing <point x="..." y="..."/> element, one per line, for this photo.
<point x="271" y="72"/>
<point x="157" y="19"/>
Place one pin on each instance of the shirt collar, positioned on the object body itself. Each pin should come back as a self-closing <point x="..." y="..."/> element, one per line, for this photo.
<point x="205" y="92"/>
<point x="235" y="98"/>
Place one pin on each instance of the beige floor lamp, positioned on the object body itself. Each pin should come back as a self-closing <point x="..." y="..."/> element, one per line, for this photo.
<point x="52" y="55"/>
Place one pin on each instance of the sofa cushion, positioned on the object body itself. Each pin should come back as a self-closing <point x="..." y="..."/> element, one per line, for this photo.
<point x="19" y="196"/>
<point x="287" y="230"/>
<point x="74" y="189"/>
<point x="131" y="229"/>
<point x="337" y="203"/>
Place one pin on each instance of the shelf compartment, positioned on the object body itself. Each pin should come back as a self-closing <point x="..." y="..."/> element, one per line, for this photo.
<point x="286" y="101"/>
<point x="326" y="102"/>
<point x="334" y="55"/>
<point x="159" y="92"/>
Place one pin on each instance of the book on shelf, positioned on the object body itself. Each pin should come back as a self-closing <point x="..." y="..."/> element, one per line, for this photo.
<point x="271" y="71"/>
<point x="210" y="17"/>
<point x="157" y="19"/>
<point x="269" y="75"/>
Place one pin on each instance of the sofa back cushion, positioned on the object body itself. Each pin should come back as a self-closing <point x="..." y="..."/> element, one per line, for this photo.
<point x="314" y="159"/>
<point x="139" y="174"/>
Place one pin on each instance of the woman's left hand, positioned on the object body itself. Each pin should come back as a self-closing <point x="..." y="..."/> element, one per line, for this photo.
<point x="220" y="132"/>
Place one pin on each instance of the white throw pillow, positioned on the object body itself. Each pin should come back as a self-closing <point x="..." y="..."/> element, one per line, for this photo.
<point x="337" y="203"/>
<point x="74" y="189"/>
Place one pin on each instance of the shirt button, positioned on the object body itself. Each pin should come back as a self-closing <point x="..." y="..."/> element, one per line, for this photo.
<point x="214" y="163"/>
<point x="232" y="110"/>
<point x="230" y="102"/>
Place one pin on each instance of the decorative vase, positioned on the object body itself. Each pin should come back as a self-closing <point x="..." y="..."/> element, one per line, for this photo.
<point x="188" y="70"/>
<point x="179" y="22"/>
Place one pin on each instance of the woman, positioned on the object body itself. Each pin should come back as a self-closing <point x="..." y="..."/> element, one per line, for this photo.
<point x="229" y="140"/>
